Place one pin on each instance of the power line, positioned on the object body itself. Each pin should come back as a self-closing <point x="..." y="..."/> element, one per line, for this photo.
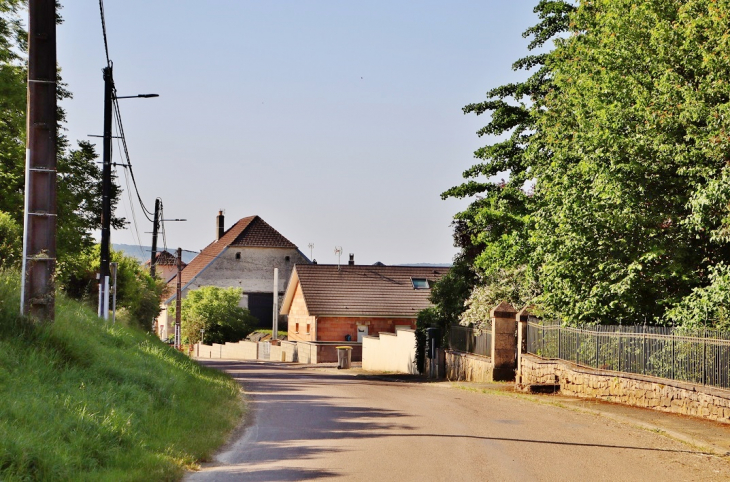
<point x="128" y="163"/>
<point x="103" y="30"/>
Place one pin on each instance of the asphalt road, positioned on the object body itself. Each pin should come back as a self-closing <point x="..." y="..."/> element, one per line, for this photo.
<point x="310" y="423"/>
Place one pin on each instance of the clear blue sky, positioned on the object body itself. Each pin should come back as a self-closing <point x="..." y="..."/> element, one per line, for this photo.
<point x="338" y="122"/>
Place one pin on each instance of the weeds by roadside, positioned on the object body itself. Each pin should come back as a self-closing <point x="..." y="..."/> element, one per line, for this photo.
<point x="87" y="400"/>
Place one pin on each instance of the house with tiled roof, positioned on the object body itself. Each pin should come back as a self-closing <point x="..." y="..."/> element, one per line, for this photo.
<point x="165" y="265"/>
<point x="331" y="303"/>
<point x="242" y="256"/>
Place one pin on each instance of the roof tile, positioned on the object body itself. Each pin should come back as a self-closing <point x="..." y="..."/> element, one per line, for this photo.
<point x="365" y="290"/>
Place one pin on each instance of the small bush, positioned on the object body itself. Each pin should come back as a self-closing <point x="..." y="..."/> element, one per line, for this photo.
<point x="217" y="311"/>
<point x="11" y="242"/>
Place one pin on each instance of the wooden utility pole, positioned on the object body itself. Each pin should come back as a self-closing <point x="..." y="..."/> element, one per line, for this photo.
<point x="178" y="299"/>
<point x="155" y="224"/>
<point x="106" y="191"/>
<point x="37" y="297"/>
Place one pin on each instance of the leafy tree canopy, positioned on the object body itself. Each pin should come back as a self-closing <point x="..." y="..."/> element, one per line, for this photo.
<point x="217" y="311"/>
<point x="615" y="208"/>
<point x="78" y="186"/>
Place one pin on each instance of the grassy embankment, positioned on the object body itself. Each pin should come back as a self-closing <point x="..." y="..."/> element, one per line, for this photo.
<point x="86" y="400"/>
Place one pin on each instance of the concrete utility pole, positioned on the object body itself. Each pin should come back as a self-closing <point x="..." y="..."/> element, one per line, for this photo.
<point x="37" y="295"/>
<point x="114" y="267"/>
<point x="155" y="224"/>
<point x="275" y="327"/>
<point x="106" y="190"/>
<point x="178" y="298"/>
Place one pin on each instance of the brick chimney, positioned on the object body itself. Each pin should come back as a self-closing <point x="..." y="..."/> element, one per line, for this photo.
<point x="220" y="229"/>
<point x="352" y="259"/>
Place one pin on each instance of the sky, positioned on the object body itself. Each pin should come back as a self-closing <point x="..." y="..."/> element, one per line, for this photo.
<point x="338" y="122"/>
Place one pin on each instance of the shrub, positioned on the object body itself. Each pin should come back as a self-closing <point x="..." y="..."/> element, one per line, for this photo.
<point x="217" y="311"/>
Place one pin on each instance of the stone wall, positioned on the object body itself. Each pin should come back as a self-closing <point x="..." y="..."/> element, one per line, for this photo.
<point x="629" y="389"/>
<point x="468" y="367"/>
<point x="313" y="353"/>
<point x="243" y="350"/>
<point x="301" y="352"/>
<point x="289" y="350"/>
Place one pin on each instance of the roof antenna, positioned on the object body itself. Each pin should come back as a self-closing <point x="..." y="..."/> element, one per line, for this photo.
<point x="338" y="252"/>
<point x="311" y="250"/>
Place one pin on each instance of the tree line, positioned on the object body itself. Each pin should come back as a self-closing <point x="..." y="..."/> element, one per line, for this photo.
<point x="615" y="150"/>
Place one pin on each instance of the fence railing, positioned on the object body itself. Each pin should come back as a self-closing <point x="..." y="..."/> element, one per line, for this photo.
<point x="699" y="356"/>
<point x="469" y="340"/>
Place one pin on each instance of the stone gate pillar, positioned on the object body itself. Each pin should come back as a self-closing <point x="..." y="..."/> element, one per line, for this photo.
<point x="521" y="319"/>
<point x="504" y="341"/>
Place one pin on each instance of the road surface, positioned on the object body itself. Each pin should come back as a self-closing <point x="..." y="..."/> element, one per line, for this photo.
<point x="309" y="423"/>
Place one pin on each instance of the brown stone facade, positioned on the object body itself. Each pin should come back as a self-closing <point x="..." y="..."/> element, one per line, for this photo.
<point x="468" y="367"/>
<point x="629" y="389"/>
<point x="337" y="328"/>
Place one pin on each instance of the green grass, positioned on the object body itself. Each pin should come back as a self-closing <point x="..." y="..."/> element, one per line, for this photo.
<point x="271" y="332"/>
<point x="86" y="400"/>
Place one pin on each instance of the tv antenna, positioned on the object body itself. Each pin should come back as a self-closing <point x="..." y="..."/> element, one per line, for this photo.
<point x="311" y="251"/>
<point x="338" y="252"/>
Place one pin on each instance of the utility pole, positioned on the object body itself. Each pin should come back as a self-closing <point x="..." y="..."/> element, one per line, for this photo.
<point x="178" y="299"/>
<point x="155" y="224"/>
<point x="114" y="267"/>
<point x="106" y="190"/>
<point x="275" y="321"/>
<point x="37" y="295"/>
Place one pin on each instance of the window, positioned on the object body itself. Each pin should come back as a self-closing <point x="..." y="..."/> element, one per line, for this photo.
<point x="307" y="328"/>
<point x="296" y="328"/>
<point x="287" y="258"/>
<point x="238" y="255"/>
<point x="420" y="283"/>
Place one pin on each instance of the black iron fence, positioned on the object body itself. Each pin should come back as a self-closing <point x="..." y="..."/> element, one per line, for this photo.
<point x="700" y="356"/>
<point x="469" y="340"/>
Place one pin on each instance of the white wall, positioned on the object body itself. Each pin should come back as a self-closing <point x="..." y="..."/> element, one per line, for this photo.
<point x="390" y="352"/>
<point x="253" y="272"/>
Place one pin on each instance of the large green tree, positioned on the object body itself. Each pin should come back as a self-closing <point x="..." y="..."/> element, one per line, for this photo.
<point x="622" y="132"/>
<point x="78" y="186"/>
<point x="627" y="145"/>
<point x="498" y="221"/>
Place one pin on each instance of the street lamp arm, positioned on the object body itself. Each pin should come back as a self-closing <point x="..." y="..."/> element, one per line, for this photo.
<point x="144" y="96"/>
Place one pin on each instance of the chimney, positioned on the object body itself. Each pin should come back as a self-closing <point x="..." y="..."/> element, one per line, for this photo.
<point x="219" y="225"/>
<point x="352" y="259"/>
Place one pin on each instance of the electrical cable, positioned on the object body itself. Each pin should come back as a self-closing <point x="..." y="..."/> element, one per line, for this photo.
<point x="103" y="30"/>
<point x="128" y="163"/>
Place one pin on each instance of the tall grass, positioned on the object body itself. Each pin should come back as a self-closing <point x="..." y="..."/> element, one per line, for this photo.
<point x="86" y="400"/>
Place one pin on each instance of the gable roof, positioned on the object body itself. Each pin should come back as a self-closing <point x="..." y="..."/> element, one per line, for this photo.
<point x="361" y="290"/>
<point x="251" y="231"/>
<point x="165" y="258"/>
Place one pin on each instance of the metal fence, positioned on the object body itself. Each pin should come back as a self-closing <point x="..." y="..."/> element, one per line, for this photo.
<point x="469" y="340"/>
<point x="698" y="356"/>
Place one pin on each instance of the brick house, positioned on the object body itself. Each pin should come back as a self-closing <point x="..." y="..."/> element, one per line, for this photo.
<point x="243" y="256"/>
<point x="327" y="303"/>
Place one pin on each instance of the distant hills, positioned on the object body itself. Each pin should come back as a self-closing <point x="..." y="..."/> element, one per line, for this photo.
<point x="142" y="253"/>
